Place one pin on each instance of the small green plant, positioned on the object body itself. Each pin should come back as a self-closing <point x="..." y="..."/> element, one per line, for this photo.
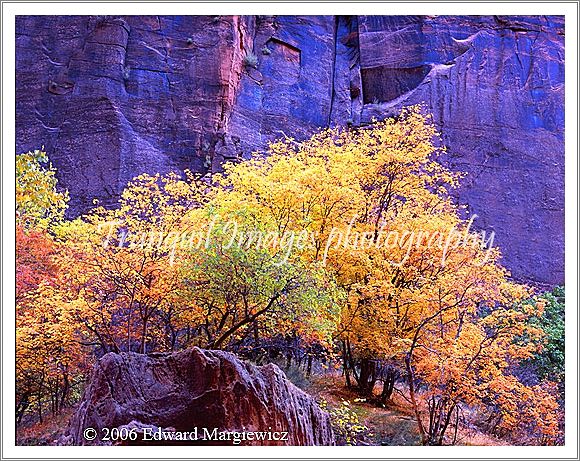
<point x="549" y="360"/>
<point x="126" y="72"/>
<point x="207" y="161"/>
<point x="251" y="60"/>
<point x="346" y="424"/>
<point x="205" y="148"/>
<point x="375" y="101"/>
<point x="266" y="51"/>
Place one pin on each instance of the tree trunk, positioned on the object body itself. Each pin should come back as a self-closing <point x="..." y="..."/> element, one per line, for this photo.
<point x="65" y="390"/>
<point x="345" y="365"/>
<point x="367" y="377"/>
<point x="39" y="403"/>
<point x="22" y="406"/>
<point x="288" y="359"/>
<point x="388" y="386"/>
<point x="143" y="346"/>
<point x="440" y="413"/>
<point x="416" y="409"/>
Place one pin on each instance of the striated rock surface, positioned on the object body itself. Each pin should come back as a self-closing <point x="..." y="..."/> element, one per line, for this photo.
<point x="112" y="97"/>
<point x="196" y="388"/>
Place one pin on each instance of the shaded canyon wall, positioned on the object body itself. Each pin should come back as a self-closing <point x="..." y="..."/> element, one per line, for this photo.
<point x="112" y="97"/>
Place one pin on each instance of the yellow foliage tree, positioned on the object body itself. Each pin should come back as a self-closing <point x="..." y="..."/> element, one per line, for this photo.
<point x="347" y="242"/>
<point x="417" y="279"/>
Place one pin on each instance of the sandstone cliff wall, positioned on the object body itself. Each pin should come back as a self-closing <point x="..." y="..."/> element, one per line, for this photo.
<point x="112" y="97"/>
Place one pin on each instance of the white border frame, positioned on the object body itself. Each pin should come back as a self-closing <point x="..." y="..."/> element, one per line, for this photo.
<point x="11" y="9"/>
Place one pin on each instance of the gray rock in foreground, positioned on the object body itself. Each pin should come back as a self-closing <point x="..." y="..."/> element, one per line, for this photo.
<point x="196" y="388"/>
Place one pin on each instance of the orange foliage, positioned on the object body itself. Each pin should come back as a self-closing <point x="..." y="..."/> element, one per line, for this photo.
<point x="388" y="273"/>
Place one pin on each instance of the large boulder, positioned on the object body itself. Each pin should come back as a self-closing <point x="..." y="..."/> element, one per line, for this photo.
<point x="196" y="392"/>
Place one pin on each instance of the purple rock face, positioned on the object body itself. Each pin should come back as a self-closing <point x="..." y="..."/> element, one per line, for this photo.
<point x="113" y="97"/>
<point x="197" y="388"/>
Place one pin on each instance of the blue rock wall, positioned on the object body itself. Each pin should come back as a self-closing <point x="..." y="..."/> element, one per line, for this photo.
<point x="112" y="97"/>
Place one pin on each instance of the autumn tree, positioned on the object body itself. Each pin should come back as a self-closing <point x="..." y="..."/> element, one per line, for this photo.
<point x="247" y="293"/>
<point x="48" y="363"/>
<point x="377" y="207"/>
<point x="123" y="266"/>
<point x="39" y="206"/>
<point x="346" y="189"/>
<point x="347" y="243"/>
<point x="38" y="202"/>
<point x="158" y="274"/>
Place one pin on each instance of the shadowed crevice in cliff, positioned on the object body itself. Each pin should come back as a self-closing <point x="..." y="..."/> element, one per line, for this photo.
<point x="383" y="84"/>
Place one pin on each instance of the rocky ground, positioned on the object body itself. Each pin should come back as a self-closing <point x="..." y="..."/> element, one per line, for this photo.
<point x="123" y="395"/>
